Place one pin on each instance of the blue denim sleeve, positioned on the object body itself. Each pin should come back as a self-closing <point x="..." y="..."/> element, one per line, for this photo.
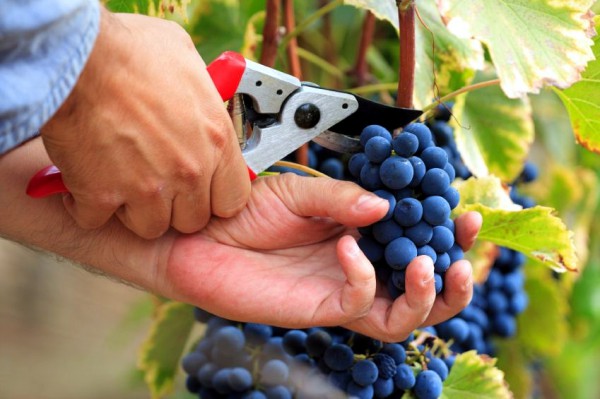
<point x="44" y="45"/>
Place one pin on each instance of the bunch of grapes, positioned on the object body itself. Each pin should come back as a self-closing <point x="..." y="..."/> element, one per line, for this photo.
<point x="257" y="361"/>
<point x="414" y="175"/>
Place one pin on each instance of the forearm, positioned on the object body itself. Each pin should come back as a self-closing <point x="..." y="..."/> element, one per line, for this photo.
<point x="44" y="224"/>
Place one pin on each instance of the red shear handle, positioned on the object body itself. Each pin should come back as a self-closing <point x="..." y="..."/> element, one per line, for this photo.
<point x="226" y="72"/>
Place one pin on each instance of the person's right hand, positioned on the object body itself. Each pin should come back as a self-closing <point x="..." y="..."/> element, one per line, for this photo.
<point x="290" y="259"/>
<point x="145" y="135"/>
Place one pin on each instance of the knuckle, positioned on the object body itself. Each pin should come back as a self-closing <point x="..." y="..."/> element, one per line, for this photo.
<point x="189" y="172"/>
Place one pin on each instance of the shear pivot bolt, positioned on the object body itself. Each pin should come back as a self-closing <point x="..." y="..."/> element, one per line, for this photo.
<point x="307" y="116"/>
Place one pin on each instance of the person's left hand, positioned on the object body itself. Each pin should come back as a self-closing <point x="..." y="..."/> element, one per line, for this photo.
<point x="290" y="259"/>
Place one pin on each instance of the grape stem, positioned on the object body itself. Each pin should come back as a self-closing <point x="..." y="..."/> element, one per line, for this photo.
<point x="458" y="92"/>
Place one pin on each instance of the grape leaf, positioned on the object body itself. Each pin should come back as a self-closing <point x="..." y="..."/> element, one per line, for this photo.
<point x="536" y="232"/>
<point x="487" y="191"/>
<point x="382" y="9"/>
<point x="582" y="101"/>
<point x="531" y="43"/>
<point x="455" y="59"/>
<point x="493" y="133"/>
<point x="482" y="256"/>
<point x="474" y="376"/>
<point x="542" y="327"/>
<point x="162" y="349"/>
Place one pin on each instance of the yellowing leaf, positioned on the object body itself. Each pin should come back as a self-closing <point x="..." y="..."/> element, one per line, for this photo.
<point x="493" y="133"/>
<point x="160" y="353"/>
<point x="536" y="232"/>
<point x="582" y="101"/>
<point x="532" y="43"/>
<point x="452" y="59"/>
<point x="488" y="191"/>
<point x="473" y="376"/>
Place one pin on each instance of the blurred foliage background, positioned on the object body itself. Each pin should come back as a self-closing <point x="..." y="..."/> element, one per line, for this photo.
<point x="65" y="333"/>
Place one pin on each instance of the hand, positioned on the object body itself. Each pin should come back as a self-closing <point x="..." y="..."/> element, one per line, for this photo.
<point x="145" y="136"/>
<point x="290" y="259"/>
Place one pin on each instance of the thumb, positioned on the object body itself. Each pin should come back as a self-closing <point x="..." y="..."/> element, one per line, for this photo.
<point x="343" y="201"/>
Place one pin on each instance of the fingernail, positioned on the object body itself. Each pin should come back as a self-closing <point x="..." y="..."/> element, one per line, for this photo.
<point x="428" y="264"/>
<point x="367" y="202"/>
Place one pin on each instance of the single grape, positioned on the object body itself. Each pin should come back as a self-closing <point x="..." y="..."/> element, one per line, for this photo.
<point x="364" y="372"/>
<point x="400" y="252"/>
<point x="405" y="144"/>
<point x="435" y="210"/>
<point x="294" y="342"/>
<point x="405" y="377"/>
<point x="408" y="212"/>
<point x="435" y="182"/>
<point x="274" y="372"/>
<point x="442" y="239"/>
<point x="317" y="342"/>
<point x="396" y="172"/>
<point x="239" y="379"/>
<point x="378" y="149"/>
<point x="369" y="176"/>
<point x="434" y="157"/>
<point x="428" y="385"/>
<point x="339" y="357"/>
<point x="420" y="234"/>
<point x="386" y="231"/>
<point x="436" y="364"/>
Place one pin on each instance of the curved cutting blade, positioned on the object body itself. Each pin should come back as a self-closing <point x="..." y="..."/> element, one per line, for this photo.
<point x="374" y="113"/>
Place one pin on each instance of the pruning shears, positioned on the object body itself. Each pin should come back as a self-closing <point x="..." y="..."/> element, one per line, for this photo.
<point x="274" y="114"/>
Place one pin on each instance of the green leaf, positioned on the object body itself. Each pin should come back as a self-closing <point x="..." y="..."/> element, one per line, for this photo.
<point x="582" y="100"/>
<point x="536" y="232"/>
<point x="166" y="342"/>
<point x="455" y="59"/>
<point x="532" y="43"/>
<point x="382" y="9"/>
<point x="473" y="376"/>
<point x="493" y="133"/>
<point x="542" y="327"/>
